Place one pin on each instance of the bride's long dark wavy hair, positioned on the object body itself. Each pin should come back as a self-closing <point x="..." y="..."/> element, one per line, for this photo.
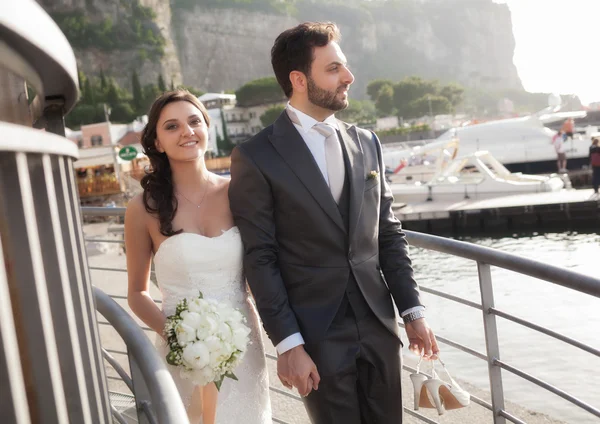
<point x="158" y="197"/>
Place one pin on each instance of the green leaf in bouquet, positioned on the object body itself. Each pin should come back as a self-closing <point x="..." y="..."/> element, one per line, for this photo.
<point x="200" y="295"/>
<point x="172" y="358"/>
<point x="231" y="375"/>
<point x="219" y="382"/>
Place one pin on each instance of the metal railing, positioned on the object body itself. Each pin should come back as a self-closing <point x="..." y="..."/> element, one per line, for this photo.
<point x="485" y="258"/>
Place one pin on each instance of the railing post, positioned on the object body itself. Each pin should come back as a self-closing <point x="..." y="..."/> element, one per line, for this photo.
<point x="491" y="341"/>
<point x="142" y="395"/>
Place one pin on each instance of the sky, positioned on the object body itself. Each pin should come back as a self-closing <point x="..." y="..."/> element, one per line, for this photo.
<point x="558" y="46"/>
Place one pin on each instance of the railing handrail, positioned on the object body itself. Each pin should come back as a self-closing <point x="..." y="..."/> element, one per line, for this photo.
<point x="163" y="392"/>
<point x="551" y="273"/>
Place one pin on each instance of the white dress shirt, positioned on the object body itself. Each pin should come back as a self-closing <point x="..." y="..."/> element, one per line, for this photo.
<point x="316" y="144"/>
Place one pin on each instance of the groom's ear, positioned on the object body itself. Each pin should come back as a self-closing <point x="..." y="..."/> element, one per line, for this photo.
<point x="299" y="81"/>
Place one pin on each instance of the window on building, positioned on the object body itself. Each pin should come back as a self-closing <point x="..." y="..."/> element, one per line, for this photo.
<point x="96" y="140"/>
<point x="80" y="143"/>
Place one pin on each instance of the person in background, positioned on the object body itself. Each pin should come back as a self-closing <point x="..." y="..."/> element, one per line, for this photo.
<point x="595" y="163"/>
<point x="561" y="156"/>
<point x="568" y="129"/>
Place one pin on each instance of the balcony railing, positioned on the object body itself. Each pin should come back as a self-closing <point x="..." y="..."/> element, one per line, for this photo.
<point x="484" y="259"/>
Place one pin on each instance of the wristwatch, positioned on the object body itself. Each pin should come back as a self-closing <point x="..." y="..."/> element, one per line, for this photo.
<point x="413" y="316"/>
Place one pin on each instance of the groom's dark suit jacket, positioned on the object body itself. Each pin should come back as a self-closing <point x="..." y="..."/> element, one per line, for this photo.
<point x="299" y="254"/>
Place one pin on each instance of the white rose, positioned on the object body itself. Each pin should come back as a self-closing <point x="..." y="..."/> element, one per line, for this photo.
<point x="203" y="333"/>
<point x="191" y="319"/>
<point x="225" y="332"/>
<point x="209" y="323"/>
<point x="185" y="334"/>
<point x="197" y="305"/>
<point x="240" y="338"/>
<point x="196" y="355"/>
<point x="237" y="317"/>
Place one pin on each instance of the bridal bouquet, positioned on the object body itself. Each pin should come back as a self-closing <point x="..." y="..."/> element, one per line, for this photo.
<point x="206" y="339"/>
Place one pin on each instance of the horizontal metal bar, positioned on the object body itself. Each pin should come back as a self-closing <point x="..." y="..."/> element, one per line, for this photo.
<point x="119" y="369"/>
<point x="578" y="402"/>
<point x="277" y="420"/>
<point x="457" y="345"/>
<point x="546" y="331"/>
<point x="100" y="268"/>
<point x="553" y="274"/>
<point x="510" y="417"/>
<point x="104" y="241"/>
<point x="117" y="296"/>
<point x="102" y="211"/>
<point x="269" y="356"/>
<point x="116" y="352"/>
<point x="451" y="297"/>
<point x="284" y="393"/>
<point x="420" y="416"/>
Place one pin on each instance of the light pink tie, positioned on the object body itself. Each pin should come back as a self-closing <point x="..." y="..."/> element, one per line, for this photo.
<point x="334" y="158"/>
<point x="333" y="155"/>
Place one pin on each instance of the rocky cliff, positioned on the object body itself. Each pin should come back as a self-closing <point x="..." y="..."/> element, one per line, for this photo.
<point x="217" y="45"/>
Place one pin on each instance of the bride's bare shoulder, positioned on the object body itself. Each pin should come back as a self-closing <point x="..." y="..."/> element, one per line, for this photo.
<point x="136" y="207"/>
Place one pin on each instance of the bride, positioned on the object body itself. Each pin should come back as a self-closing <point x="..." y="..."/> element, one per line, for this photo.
<point x="183" y="219"/>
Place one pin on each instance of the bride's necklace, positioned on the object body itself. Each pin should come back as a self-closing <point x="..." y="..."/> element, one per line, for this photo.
<point x="203" y="195"/>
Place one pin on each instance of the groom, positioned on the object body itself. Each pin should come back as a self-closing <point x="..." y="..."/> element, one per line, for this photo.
<point x="324" y="254"/>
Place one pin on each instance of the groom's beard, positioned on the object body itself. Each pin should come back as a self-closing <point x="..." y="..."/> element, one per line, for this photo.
<point x="324" y="98"/>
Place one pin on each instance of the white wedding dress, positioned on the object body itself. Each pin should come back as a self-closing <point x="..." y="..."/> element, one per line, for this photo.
<point x="187" y="263"/>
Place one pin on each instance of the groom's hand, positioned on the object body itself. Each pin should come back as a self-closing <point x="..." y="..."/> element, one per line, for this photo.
<point x="295" y="368"/>
<point x="421" y="339"/>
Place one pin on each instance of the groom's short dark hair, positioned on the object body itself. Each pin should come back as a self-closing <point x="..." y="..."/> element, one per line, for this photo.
<point x="293" y="49"/>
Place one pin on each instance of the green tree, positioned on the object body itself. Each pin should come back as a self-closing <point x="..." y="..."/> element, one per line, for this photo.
<point x="420" y="106"/>
<point x="89" y="96"/>
<point x="162" y="87"/>
<point x="409" y="90"/>
<point x="122" y="112"/>
<point x="260" y="91"/>
<point x="374" y="87"/>
<point x="224" y="144"/>
<point x="360" y="112"/>
<point x="113" y="96"/>
<point x="138" y="96"/>
<point x="150" y="94"/>
<point x="454" y="93"/>
<point x="271" y="114"/>
<point x="83" y="114"/>
<point x="385" y="100"/>
<point x="103" y="83"/>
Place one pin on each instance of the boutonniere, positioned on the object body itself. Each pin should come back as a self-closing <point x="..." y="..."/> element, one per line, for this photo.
<point x="373" y="175"/>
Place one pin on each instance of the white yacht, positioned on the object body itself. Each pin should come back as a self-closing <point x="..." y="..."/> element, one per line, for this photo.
<point x="434" y="172"/>
<point x="525" y="144"/>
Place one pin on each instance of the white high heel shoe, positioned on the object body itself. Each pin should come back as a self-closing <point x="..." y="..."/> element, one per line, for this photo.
<point x="446" y="396"/>
<point x="421" y="397"/>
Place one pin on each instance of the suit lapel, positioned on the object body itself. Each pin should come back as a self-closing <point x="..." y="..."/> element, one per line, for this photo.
<point x="294" y="151"/>
<point x="356" y="173"/>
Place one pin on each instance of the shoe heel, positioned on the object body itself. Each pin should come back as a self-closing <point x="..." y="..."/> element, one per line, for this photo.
<point x="417" y="381"/>
<point x="433" y="386"/>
